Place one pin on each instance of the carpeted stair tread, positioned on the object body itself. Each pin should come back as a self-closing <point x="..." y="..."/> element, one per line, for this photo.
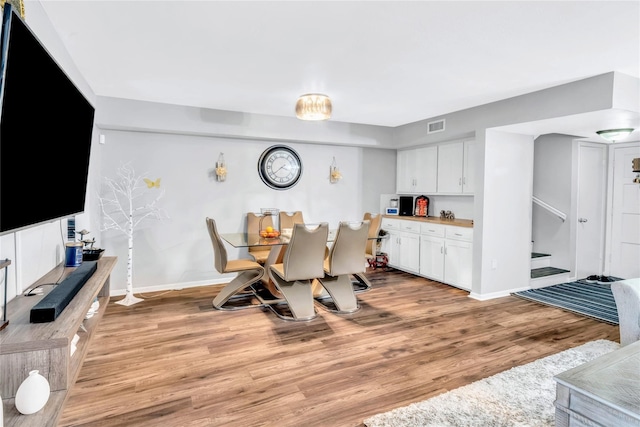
<point x="538" y="255"/>
<point x="546" y="271"/>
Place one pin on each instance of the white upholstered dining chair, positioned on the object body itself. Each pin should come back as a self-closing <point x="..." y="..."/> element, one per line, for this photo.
<point x="248" y="270"/>
<point x="301" y="264"/>
<point x="375" y="221"/>
<point x="287" y="219"/>
<point x="346" y="257"/>
<point x="258" y="253"/>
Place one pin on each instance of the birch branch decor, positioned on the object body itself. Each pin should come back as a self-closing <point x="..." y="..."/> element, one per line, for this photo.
<point x="128" y="200"/>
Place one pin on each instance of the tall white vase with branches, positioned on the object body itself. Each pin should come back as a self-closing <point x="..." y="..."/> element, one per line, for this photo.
<point x="127" y="202"/>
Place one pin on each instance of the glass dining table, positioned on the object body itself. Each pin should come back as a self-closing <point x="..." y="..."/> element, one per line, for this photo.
<point x="278" y="246"/>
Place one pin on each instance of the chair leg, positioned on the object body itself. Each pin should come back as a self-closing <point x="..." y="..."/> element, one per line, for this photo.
<point x="362" y="284"/>
<point x="341" y="290"/>
<point x="238" y="284"/>
<point x="299" y="298"/>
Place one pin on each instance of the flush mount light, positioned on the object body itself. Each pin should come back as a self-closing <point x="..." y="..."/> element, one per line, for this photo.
<point x="313" y="106"/>
<point x="614" y="135"/>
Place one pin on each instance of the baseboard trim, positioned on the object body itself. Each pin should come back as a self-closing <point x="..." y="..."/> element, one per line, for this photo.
<point x="494" y="295"/>
<point x="169" y="286"/>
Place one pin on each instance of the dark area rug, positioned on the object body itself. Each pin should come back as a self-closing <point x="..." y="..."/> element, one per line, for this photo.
<point x="593" y="300"/>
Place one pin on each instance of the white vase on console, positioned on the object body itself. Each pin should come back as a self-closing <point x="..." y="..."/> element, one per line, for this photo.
<point x="32" y="394"/>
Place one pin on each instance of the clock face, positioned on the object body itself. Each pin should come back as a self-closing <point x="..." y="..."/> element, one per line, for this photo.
<point x="280" y="167"/>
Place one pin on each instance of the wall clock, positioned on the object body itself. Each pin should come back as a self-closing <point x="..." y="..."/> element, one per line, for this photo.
<point x="280" y="167"/>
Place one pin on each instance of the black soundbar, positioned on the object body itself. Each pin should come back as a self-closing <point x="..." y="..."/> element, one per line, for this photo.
<point x="50" y="307"/>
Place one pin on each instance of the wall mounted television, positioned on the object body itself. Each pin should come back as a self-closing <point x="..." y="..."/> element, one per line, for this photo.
<point x="46" y="127"/>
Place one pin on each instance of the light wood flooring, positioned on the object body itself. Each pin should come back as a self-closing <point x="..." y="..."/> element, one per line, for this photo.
<point x="174" y="360"/>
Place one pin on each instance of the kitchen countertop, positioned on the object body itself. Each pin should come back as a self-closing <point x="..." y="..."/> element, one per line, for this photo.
<point x="458" y="222"/>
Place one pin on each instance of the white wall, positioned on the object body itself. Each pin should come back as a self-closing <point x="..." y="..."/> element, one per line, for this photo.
<point x="177" y="252"/>
<point x="502" y="223"/>
<point x="33" y="252"/>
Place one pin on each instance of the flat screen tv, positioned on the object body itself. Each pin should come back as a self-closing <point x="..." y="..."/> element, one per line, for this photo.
<point x="46" y="128"/>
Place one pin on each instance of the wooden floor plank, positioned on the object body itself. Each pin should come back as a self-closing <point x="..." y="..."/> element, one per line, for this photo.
<point x="174" y="360"/>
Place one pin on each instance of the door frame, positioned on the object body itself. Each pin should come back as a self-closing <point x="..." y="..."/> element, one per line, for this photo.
<point x="609" y="242"/>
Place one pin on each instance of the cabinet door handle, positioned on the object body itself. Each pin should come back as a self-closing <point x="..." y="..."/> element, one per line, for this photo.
<point x="441" y="249"/>
<point x="457" y="234"/>
<point x="464" y="180"/>
<point x="459" y="181"/>
<point x="445" y="251"/>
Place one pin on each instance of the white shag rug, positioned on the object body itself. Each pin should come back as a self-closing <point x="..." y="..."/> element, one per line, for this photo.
<point x="522" y="396"/>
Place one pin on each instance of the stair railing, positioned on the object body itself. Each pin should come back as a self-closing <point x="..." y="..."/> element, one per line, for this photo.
<point x="548" y="207"/>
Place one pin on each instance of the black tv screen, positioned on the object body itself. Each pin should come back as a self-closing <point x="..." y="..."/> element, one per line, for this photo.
<point x="46" y="127"/>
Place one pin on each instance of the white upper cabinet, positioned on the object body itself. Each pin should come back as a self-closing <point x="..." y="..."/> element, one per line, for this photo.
<point x="450" y="167"/>
<point x="456" y="165"/>
<point x="437" y="169"/>
<point x="417" y="170"/>
<point x="469" y="167"/>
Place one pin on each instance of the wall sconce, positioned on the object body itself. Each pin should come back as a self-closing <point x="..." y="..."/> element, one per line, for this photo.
<point x="614" y="135"/>
<point x="221" y="168"/>
<point x="334" y="172"/>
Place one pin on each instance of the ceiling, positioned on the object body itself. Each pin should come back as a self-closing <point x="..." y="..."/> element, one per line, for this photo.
<point x="384" y="63"/>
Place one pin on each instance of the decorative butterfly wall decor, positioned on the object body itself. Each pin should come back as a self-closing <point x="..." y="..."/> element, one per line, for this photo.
<point x="152" y="184"/>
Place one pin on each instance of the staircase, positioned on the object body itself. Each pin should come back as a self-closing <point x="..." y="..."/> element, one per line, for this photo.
<point x="542" y="274"/>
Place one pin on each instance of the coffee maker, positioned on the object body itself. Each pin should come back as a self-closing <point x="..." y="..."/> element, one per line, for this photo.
<point x="406" y="206"/>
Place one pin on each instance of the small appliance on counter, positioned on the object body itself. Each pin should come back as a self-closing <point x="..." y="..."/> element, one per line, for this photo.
<point x="393" y="207"/>
<point x="422" y="206"/>
<point x="406" y="206"/>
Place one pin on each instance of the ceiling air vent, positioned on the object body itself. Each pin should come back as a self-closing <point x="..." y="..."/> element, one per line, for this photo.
<point x="437" y="126"/>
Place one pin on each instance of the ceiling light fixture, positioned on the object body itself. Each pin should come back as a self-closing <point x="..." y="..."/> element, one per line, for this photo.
<point x="313" y="106"/>
<point x="614" y="135"/>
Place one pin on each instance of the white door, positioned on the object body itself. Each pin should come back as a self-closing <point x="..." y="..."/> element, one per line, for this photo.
<point x="625" y="218"/>
<point x="592" y="180"/>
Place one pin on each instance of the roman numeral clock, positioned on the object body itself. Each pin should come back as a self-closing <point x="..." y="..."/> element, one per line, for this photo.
<point x="280" y="167"/>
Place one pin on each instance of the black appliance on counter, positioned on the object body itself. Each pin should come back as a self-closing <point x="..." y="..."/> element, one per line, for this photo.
<point x="406" y="206"/>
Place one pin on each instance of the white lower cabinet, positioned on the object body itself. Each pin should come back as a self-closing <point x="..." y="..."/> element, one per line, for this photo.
<point x="457" y="264"/>
<point x="391" y="245"/>
<point x="410" y="246"/>
<point x="439" y="252"/>
<point x="458" y="256"/>
<point x="403" y="245"/>
<point x="432" y="257"/>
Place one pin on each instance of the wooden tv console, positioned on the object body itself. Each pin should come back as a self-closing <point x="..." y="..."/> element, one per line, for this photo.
<point x="46" y="347"/>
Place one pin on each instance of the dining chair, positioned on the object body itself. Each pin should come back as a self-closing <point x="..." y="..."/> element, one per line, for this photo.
<point x="248" y="271"/>
<point x="363" y="284"/>
<point x="258" y="253"/>
<point x="346" y="258"/>
<point x="301" y="264"/>
<point x="287" y="219"/>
